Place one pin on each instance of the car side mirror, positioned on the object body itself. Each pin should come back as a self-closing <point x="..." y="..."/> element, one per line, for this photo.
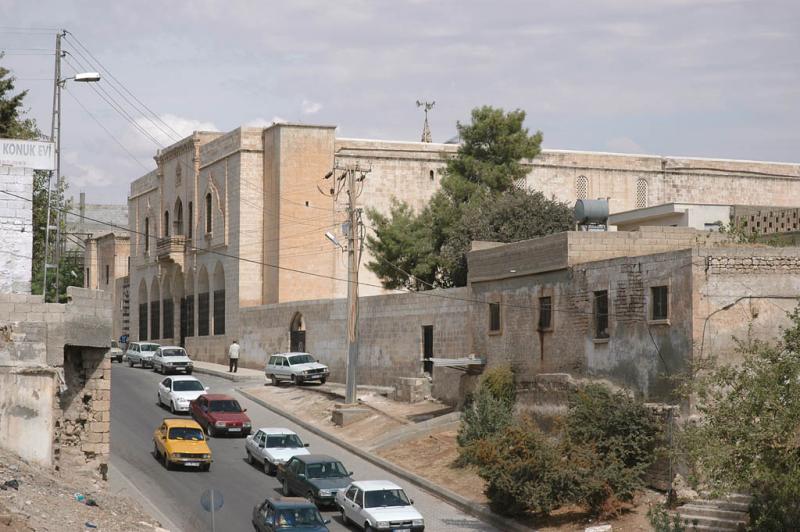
<point x="244" y="410"/>
<point x="207" y="388"/>
<point x="301" y="476"/>
<point x="326" y="521"/>
<point x="411" y="501"/>
<point x="306" y="444"/>
<point x="349" y="473"/>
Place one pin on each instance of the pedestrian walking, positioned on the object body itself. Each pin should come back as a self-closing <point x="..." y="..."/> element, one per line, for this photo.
<point x="233" y="357"/>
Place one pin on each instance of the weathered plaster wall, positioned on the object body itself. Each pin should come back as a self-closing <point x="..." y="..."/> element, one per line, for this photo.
<point x="16" y="230"/>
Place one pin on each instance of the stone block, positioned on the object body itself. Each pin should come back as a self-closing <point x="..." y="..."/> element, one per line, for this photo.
<point x="100" y="426"/>
<point x="345" y="415"/>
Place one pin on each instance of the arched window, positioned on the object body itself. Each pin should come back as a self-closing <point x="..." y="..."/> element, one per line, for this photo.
<point x="218" y="309"/>
<point x="203" y="303"/>
<point x="581" y="187"/>
<point x="641" y="194"/>
<point x="166" y="223"/>
<point x="143" y="302"/>
<point x="146" y="235"/>
<point x="208" y="212"/>
<point x="190" y="220"/>
<point x="178" y="223"/>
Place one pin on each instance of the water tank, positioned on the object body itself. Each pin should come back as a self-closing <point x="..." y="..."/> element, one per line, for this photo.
<point x="591" y="211"/>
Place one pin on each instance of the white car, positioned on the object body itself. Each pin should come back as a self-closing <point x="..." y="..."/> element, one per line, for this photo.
<point x="169" y="358"/>
<point x="177" y="392"/>
<point x="140" y="353"/>
<point x="115" y="353"/>
<point x="271" y="447"/>
<point x="379" y="505"/>
<point x="295" y="367"/>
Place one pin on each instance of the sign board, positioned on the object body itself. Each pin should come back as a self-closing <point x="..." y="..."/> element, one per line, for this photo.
<point x="27" y="154"/>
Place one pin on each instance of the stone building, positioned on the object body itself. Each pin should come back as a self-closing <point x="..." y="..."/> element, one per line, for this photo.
<point x="235" y="220"/>
<point x="106" y="267"/>
<point x="633" y="308"/>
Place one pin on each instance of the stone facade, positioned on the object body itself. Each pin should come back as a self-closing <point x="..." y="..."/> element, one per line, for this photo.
<point x="55" y="380"/>
<point x="237" y="220"/>
<point x="713" y="292"/>
<point x="105" y="267"/>
<point x="16" y="230"/>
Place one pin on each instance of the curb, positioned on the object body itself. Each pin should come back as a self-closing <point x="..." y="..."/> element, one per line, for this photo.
<point x="225" y="375"/>
<point x="465" y="505"/>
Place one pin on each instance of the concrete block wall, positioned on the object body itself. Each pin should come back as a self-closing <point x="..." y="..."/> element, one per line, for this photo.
<point x="16" y="229"/>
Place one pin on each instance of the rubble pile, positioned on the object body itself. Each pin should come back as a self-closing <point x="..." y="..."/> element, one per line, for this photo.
<point x="35" y="498"/>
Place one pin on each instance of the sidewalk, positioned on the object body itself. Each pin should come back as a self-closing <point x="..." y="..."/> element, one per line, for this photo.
<point x="219" y="370"/>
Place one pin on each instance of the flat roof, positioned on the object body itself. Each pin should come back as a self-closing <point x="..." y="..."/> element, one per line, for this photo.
<point x="374" y="485"/>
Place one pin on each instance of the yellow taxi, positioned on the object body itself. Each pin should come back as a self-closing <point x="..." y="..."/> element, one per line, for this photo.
<point x="181" y="442"/>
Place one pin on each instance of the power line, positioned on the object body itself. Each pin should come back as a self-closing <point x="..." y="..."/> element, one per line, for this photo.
<point x="110" y="75"/>
<point x="121" y="145"/>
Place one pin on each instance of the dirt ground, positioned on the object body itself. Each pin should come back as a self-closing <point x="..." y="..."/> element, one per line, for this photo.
<point x="45" y="502"/>
<point x="431" y="455"/>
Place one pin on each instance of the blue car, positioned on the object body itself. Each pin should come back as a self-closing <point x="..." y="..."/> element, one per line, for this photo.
<point x="288" y="514"/>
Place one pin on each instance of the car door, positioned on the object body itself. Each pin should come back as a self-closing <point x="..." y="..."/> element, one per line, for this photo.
<point x="281" y="367"/>
<point x="297" y="484"/>
<point x="261" y="446"/>
<point x="161" y="441"/>
<point x="253" y="445"/>
<point x="198" y="410"/>
<point x="349" y="503"/>
<point x="358" y="515"/>
<point x="164" y="389"/>
<point x="132" y="353"/>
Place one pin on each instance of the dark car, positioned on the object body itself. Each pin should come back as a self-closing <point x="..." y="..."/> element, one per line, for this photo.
<point x="220" y="414"/>
<point x="287" y="514"/>
<point x="317" y="477"/>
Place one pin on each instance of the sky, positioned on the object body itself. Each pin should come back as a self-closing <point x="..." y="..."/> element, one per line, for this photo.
<point x="705" y="78"/>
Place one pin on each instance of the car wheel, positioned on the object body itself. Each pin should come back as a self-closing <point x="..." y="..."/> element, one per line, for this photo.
<point x="368" y="528"/>
<point x="345" y="520"/>
<point x="322" y="380"/>
<point x="294" y="380"/>
<point x="310" y="497"/>
<point x="172" y="408"/>
<point x="158" y="399"/>
<point x="130" y="363"/>
<point x="167" y="463"/>
<point x="212" y="433"/>
<point x="188" y="372"/>
<point x="155" y="451"/>
<point x="205" y="468"/>
<point x="270" y="469"/>
<point x="286" y="491"/>
<point x="250" y="459"/>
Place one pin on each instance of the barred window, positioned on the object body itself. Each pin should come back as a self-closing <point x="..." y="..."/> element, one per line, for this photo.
<point x="494" y="317"/>
<point x="660" y="303"/>
<point x="601" y="314"/>
<point x="545" y="313"/>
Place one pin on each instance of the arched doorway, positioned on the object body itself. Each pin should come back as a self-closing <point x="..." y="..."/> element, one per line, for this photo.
<point x="218" y="304"/>
<point x="180" y="302"/>
<point x="297" y="334"/>
<point x="178" y="223"/>
<point x="155" y="310"/>
<point x="143" y="302"/>
<point x="203" y="300"/>
<point x="167" y="309"/>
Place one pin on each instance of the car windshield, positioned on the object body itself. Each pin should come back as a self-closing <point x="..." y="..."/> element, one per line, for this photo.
<point x="326" y="470"/>
<point x="188" y="386"/>
<point x="284" y="440"/>
<point x="301" y="359"/>
<point x="114" y="344"/>
<point x="378" y="498"/>
<point x="185" y="433"/>
<point x="298" y="517"/>
<point x="227" y="405"/>
<point x="148" y="347"/>
<point x="173" y="352"/>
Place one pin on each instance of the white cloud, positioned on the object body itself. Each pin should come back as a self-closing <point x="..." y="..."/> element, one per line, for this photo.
<point x="82" y="175"/>
<point x="263" y="122"/>
<point x="624" y="145"/>
<point x="310" y="108"/>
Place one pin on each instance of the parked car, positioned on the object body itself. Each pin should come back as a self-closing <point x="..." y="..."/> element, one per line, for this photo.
<point x="115" y="353"/>
<point x="271" y="447"/>
<point x="220" y="414"/>
<point x="169" y="358"/>
<point x="296" y="367"/>
<point x="379" y="505"/>
<point x="141" y="353"/>
<point x="177" y="392"/>
<point x="317" y="477"/>
<point x="181" y="442"/>
<point x="288" y="514"/>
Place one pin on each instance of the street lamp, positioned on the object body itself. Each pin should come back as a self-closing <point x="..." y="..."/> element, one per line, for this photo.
<point x="55" y="136"/>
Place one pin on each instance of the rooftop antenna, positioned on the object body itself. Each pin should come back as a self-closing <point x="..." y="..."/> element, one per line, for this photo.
<point x="426" y="131"/>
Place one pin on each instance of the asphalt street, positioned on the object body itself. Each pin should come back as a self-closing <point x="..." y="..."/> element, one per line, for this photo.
<point x="176" y="494"/>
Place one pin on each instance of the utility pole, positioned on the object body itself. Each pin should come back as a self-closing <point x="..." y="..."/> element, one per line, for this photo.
<point x="55" y="136"/>
<point x="351" y="178"/>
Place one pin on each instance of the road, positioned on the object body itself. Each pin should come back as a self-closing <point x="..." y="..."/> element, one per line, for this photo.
<point x="176" y="494"/>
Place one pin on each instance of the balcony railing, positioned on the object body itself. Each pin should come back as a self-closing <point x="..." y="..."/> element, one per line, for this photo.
<point x="171" y="248"/>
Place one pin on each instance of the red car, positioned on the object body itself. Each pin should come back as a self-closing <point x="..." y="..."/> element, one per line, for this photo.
<point x="220" y="414"/>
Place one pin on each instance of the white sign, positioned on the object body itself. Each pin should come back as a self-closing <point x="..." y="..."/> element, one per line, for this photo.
<point x="27" y="154"/>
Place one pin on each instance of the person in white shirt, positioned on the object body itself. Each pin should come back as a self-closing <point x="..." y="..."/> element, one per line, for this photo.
<point x="233" y="357"/>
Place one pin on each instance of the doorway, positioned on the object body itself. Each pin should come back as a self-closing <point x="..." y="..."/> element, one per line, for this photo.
<point x="427" y="349"/>
<point x="297" y="334"/>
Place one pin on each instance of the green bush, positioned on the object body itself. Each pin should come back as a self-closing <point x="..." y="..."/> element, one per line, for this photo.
<point x="661" y="521"/>
<point x="524" y="472"/>
<point x="610" y="440"/>
<point x="487" y="412"/>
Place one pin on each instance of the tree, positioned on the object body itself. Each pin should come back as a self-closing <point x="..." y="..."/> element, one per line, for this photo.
<point x="15" y="124"/>
<point x="478" y="200"/>
<point x="749" y="434"/>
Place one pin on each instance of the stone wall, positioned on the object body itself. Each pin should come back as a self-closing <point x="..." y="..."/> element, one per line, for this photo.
<point x="55" y="379"/>
<point x="16" y="230"/>
<point x="390" y="333"/>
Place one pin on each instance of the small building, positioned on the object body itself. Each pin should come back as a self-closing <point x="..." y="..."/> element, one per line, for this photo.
<point x="633" y="308"/>
<point x="107" y="263"/>
<point x="700" y="216"/>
